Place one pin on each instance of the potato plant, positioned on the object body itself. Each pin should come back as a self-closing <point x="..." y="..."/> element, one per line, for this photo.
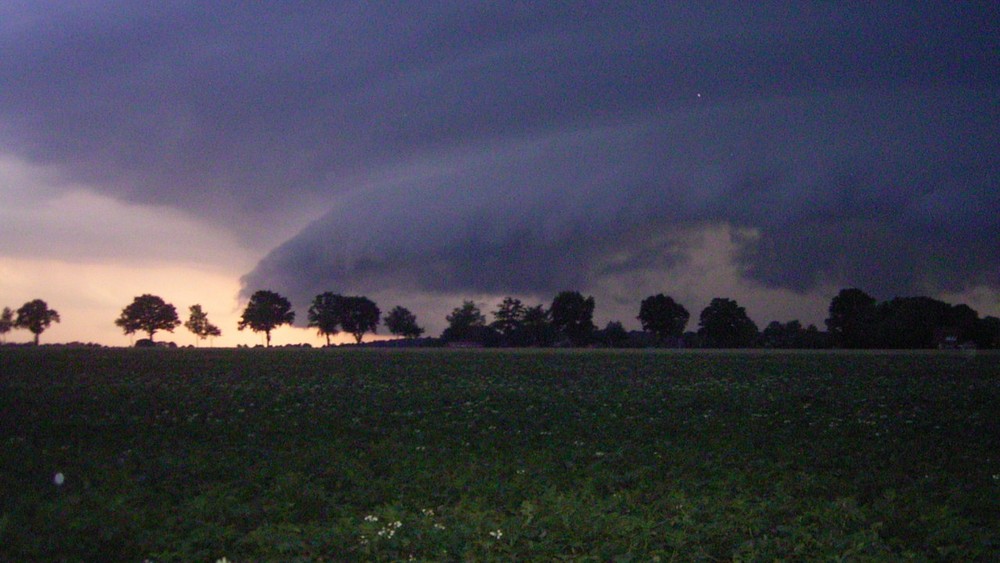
<point x="333" y="455"/>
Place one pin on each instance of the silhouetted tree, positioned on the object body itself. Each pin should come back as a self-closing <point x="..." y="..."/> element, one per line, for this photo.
<point x="465" y="324"/>
<point x="401" y="322"/>
<point x="987" y="333"/>
<point x="508" y="318"/>
<point x="536" y="327"/>
<point x="853" y="319"/>
<point x="325" y="314"/>
<point x="149" y="314"/>
<point x="774" y="335"/>
<point x="910" y="322"/>
<point x="791" y="335"/>
<point x="814" y="338"/>
<point x="965" y="320"/>
<point x="613" y="335"/>
<point x="266" y="311"/>
<point x="923" y="322"/>
<point x="6" y="323"/>
<point x="198" y="323"/>
<point x="663" y="316"/>
<point x="574" y="316"/>
<point x="358" y="316"/>
<point x="858" y="321"/>
<point x="724" y="324"/>
<point x="35" y="316"/>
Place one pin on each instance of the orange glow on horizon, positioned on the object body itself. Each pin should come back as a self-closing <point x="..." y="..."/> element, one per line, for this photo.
<point x="89" y="297"/>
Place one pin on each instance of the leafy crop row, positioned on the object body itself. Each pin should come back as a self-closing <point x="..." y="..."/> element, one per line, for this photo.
<point x="181" y="455"/>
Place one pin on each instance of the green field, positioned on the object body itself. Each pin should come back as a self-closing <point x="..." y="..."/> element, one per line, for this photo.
<point x="192" y="455"/>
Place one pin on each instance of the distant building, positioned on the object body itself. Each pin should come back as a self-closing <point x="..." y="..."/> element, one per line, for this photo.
<point x="464" y="344"/>
<point x="946" y="338"/>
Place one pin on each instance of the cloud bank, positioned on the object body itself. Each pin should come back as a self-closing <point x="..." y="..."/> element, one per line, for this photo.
<point x="816" y="204"/>
<point x="470" y="148"/>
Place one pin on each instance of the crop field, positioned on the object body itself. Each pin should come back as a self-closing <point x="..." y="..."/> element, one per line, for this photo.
<point x="436" y="455"/>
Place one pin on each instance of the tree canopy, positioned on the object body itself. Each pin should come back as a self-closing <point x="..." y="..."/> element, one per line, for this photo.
<point x="724" y="324"/>
<point x="574" y="316"/>
<point x="6" y="322"/>
<point x="663" y="316"/>
<point x="401" y="322"/>
<point x="515" y="324"/>
<point x="614" y="335"/>
<point x="536" y="327"/>
<point x="148" y="313"/>
<point x="198" y="323"/>
<point x="921" y="322"/>
<point x="793" y="335"/>
<point x="35" y="316"/>
<point x="852" y="319"/>
<point x="266" y="311"/>
<point x="325" y="314"/>
<point x="466" y="324"/>
<point x="509" y="317"/>
<point x="856" y="320"/>
<point x="359" y="315"/>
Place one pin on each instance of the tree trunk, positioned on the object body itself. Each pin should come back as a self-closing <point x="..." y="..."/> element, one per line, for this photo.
<point x="268" y="333"/>
<point x="37" y="334"/>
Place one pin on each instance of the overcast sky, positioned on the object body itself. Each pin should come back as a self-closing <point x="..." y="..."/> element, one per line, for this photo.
<point x="423" y="153"/>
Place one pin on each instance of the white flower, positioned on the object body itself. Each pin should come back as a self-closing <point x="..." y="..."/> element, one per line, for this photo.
<point x="59" y="479"/>
<point x="371" y="518"/>
<point x="497" y="534"/>
<point x="222" y="560"/>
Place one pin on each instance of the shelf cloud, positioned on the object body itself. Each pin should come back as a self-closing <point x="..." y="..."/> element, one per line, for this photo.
<point x="477" y="148"/>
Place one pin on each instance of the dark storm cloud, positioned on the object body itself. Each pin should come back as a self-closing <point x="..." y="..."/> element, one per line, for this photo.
<point x="462" y="146"/>
<point x="916" y="214"/>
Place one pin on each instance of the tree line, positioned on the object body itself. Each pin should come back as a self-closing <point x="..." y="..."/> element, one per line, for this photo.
<point x="34" y="316"/>
<point x="856" y="320"/>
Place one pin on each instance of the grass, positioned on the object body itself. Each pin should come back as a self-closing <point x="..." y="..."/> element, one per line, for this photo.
<point x="194" y="455"/>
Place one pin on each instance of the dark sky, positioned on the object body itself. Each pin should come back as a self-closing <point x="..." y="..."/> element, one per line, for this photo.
<point x="464" y="148"/>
